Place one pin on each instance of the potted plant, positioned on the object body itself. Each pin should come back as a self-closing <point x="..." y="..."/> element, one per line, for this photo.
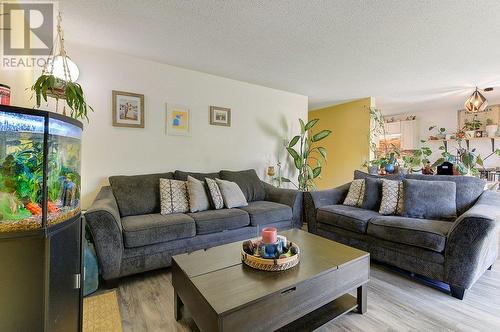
<point x="491" y="128"/>
<point x="50" y="86"/>
<point x="440" y="133"/>
<point x="389" y="161"/>
<point x="307" y="153"/>
<point x="58" y="80"/>
<point x="372" y="166"/>
<point x="418" y="159"/>
<point x="470" y="127"/>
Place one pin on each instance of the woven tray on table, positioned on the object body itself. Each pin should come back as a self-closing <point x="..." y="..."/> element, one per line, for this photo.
<point x="266" y="264"/>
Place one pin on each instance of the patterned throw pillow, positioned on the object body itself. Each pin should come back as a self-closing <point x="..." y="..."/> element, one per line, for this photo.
<point x="215" y="193"/>
<point x="173" y="196"/>
<point x="392" y="197"/>
<point x="356" y="193"/>
<point x="198" y="198"/>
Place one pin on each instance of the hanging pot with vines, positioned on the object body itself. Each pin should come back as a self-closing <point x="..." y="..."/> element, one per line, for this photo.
<point x="61" y="85"/>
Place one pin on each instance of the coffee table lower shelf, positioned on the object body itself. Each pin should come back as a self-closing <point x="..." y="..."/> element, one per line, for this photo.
<point x="331" y="311"/>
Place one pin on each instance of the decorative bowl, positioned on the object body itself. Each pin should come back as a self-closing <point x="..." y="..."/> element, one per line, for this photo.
<point x="272" y="264"/>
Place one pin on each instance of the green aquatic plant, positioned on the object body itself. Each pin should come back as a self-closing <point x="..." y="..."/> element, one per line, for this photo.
<point x="22" y="172"/>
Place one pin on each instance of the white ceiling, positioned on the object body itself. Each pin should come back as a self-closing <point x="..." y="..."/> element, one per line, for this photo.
<point x="410" y="55"/>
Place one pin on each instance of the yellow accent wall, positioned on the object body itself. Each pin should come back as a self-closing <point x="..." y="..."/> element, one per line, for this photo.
<point x="347" y="147"/>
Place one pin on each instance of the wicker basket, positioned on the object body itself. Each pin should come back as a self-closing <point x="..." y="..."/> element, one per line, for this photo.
<point x="265" y="264"/>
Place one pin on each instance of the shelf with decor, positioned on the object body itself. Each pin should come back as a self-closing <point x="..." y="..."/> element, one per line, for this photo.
<point x="467" y="141"/>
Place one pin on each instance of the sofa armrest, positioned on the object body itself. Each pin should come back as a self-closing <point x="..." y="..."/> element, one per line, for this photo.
<point x="104" y="222"/>
<point x="313" y="200"/>
<point x="290" y="197"/>
<point x="472" y="242"/>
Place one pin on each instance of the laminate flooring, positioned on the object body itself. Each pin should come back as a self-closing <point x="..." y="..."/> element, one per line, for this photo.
<point x="396" y="302"/>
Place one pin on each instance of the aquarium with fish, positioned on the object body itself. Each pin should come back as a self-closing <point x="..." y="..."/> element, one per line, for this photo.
<point x="39" y="169"/>
<point x="40" y="223"/>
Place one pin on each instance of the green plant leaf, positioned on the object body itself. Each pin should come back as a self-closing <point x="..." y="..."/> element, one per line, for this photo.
<point x="310" y="173"/>
<point x="293" y="153"/>
<point x="322" y="151"/>
<point x="311" y="124"/>
<point x="294" y="141"/>
<point x="480" y="161"/>
<point x="302" y="127"/>
<point x="321" y="135"/>
<point x="316" y="172"/>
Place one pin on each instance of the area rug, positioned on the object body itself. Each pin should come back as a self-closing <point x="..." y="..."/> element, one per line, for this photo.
<point x="102" y="313"/>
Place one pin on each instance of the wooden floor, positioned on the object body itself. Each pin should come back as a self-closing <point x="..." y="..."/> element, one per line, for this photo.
<point x="395" y="303"/>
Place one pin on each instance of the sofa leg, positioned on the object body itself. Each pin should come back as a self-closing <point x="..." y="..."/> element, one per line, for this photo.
<point x="458" y="292"/>
<point x="111" y="283"/>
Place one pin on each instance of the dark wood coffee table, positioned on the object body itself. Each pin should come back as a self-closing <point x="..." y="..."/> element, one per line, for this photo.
<point x="223" y="294"/>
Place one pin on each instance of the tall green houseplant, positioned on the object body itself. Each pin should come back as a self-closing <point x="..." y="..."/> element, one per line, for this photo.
<point x="306" y="153"/>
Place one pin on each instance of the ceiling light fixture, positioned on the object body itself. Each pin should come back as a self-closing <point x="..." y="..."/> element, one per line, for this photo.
<point x="477" y="102"/>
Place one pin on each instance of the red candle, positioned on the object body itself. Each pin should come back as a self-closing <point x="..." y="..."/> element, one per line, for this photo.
<point x="269" y="235"/>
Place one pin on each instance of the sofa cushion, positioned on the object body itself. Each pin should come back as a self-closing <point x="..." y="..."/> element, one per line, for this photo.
<point x="182" y="176"/>
<point x="231" y="194"/>
<point x="422" y="233"/>
<point x="356" y="193"/>
<point x="215" y="195"/>
<point x="347" y="217"/>
<point x="198" y="196"/>
<point x="147" y="229"/>
<point x="430" y="199"/>
<point x="138" y="194"/>
<point x="373" y="194"/>
<point x="249" y="183"/>
<point x="265" y="212"/>
<point x="469" y="188"/>
<point x="212" y="221"/>
<point x="174" y="196"/>
<point x="392" y="197"/>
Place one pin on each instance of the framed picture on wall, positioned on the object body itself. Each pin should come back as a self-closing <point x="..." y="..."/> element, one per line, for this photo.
<point x="178" y="120"/>
<point x="220" y="116"/>
<point x="128" y="109"/>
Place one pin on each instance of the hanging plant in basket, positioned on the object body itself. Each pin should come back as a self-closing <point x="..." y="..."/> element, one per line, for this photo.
<point x="58" y="81"/>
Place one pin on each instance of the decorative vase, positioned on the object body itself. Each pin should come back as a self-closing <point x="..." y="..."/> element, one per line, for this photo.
<point x="389" y="168"/>
<point x="492" y="130"/>
<point x="373" y="170"/>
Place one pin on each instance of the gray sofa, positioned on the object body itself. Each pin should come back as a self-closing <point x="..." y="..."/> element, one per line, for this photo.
<point x="455" y="252"/>
<point x="131" y="236"/>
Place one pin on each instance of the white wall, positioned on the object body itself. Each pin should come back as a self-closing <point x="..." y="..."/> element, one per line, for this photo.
<point x="261" y="117"/>
<point x="448" y="118"/>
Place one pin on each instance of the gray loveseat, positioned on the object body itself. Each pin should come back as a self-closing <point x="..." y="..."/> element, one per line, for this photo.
<point x="455" y="252"/>
<point x="131" y="235"/>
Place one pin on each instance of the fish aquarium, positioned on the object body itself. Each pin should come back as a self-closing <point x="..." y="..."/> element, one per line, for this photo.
<point x="39" y="169"/>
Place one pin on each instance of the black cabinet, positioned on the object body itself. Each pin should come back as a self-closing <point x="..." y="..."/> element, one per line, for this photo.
<point x="40" y="280"/>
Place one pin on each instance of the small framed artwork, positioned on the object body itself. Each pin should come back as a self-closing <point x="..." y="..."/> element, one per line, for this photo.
<point x="128" y="109"/>
<point x="220" y="116"/>
<point x="178" y="120"/>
